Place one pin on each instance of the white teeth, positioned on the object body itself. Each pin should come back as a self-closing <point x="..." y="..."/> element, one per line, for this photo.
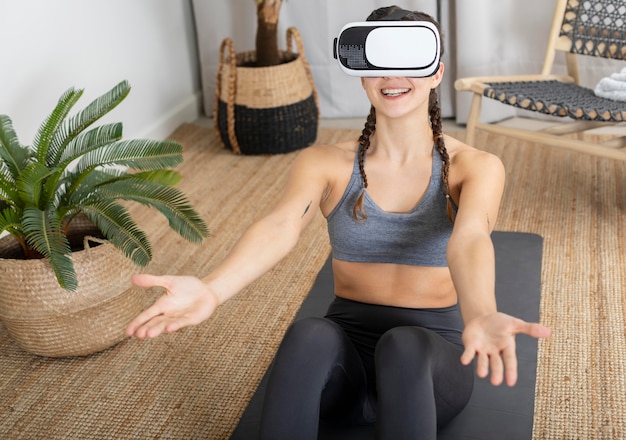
<point x="394" y="92"/>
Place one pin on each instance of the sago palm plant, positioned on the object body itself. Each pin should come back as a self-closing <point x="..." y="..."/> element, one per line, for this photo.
<point x="73" y="168"/>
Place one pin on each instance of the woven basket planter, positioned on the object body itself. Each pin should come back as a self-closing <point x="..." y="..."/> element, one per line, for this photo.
<point x="46" y="320"/>
<point x="266" y="110"/>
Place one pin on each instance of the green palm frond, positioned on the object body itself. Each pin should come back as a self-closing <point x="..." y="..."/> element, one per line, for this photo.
<point x="4" y="169"/>
<point x="53" y="122"/>
<point x="55" y="185"/>
<point x="89" y="141"/>
<point x="14" y="156"/>
<point x="138" y="154"/>
<point x="71" y="198"/>
<point x="120" y="229"/>
<point x="98" y="178"/>
<point x="44" y="234"/>
<point x="164" y="177"/>
<point x="11" y="221"/>
<point x="168" y="200"/>
<point x="84" y="118"/>
<point x="8" y="191"/>
<point x="30" y="184"/>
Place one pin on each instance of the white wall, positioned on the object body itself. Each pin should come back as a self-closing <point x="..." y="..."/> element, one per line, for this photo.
<point x="50" y="46"/>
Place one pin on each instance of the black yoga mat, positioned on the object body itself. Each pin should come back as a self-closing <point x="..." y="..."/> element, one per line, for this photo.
<point x="493" y="413"/>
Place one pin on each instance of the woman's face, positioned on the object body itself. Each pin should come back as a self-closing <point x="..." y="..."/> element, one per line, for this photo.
<point x="397" y="96"/>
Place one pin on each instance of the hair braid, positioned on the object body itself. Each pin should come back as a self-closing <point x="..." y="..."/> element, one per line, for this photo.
<point x="358" y="212"/>
<point x="434" y="112"/>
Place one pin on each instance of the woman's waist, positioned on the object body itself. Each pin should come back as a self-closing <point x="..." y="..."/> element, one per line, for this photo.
<point x="394" y="285"/>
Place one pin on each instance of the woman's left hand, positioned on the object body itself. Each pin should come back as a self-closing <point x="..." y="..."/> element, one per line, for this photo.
<point x="491" y="339"/>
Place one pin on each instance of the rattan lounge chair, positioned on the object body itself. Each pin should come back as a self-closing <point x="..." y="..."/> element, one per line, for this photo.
<point x="592" y="28"/>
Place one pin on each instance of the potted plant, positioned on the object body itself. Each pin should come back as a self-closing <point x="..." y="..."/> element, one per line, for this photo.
<point x="266" y="101"/>
<point x="67" y="191"/>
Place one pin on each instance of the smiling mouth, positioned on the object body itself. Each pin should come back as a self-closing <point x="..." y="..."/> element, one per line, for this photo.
<point x="394" y="92"/>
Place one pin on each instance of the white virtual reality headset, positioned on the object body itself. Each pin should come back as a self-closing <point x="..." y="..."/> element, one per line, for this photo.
<point x="388" y="48"/>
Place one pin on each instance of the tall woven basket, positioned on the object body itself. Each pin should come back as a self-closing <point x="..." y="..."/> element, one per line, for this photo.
<point x="44" y="319"/>
<point x="266" y="110"/>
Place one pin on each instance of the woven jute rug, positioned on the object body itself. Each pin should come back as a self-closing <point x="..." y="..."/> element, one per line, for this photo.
<point x="577" y="203"/>
<point x="195" y="383"/>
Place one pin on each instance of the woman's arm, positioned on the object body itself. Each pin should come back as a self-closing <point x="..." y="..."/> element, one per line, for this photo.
<point x="189" y="300"/>
<point x="470" y="251"/>
<point x="489" y="336"/>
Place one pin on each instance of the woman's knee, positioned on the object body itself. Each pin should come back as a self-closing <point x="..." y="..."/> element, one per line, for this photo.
<point x="313" y="335"/>
<point x="404" y="343"/>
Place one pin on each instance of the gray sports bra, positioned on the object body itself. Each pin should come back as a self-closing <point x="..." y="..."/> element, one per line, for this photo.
<point x="418" y="237"/>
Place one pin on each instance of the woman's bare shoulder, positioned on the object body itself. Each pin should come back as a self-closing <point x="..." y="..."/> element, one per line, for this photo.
<point x="328" y="155"/>
<point x="467" y="157"/>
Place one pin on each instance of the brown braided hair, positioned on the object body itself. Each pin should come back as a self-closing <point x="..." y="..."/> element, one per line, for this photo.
<point x="434" y="114"/>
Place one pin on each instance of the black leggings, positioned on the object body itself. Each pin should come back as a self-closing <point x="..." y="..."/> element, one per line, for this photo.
<point x="364" y="363"/>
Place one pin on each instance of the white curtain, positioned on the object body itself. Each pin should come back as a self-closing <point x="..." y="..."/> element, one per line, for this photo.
<point x="506" y="37"/>
<point x="482" y="37"/>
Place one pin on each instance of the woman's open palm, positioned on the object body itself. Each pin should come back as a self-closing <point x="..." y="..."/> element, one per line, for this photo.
<point x="491" y="339"/>
<point x="187" y="301"/>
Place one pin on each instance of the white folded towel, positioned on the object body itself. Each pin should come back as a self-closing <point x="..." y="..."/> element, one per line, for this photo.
<point x="613" y="87"/>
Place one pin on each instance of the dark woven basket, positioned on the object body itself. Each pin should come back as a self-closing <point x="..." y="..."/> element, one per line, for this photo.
<point x="266" y="110"/>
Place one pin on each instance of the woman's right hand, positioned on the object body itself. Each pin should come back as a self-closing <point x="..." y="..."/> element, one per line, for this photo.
<point x="187" y="301"/>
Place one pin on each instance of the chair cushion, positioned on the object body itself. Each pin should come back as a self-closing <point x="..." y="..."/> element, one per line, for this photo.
<point x="557" y="98"/>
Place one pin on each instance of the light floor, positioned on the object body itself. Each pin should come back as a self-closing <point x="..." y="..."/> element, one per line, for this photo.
<point x="350" y="123"/>
<point x="450" y="125"/>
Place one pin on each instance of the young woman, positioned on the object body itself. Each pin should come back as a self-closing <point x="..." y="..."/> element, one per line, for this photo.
<point x="410" y="212"/>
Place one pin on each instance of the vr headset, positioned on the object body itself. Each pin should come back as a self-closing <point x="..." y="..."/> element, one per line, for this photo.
<point x="388" y="48"/>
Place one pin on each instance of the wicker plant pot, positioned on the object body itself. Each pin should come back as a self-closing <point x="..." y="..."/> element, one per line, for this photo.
<point x="266" y="110"/>
<point x="47" y="320"/>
